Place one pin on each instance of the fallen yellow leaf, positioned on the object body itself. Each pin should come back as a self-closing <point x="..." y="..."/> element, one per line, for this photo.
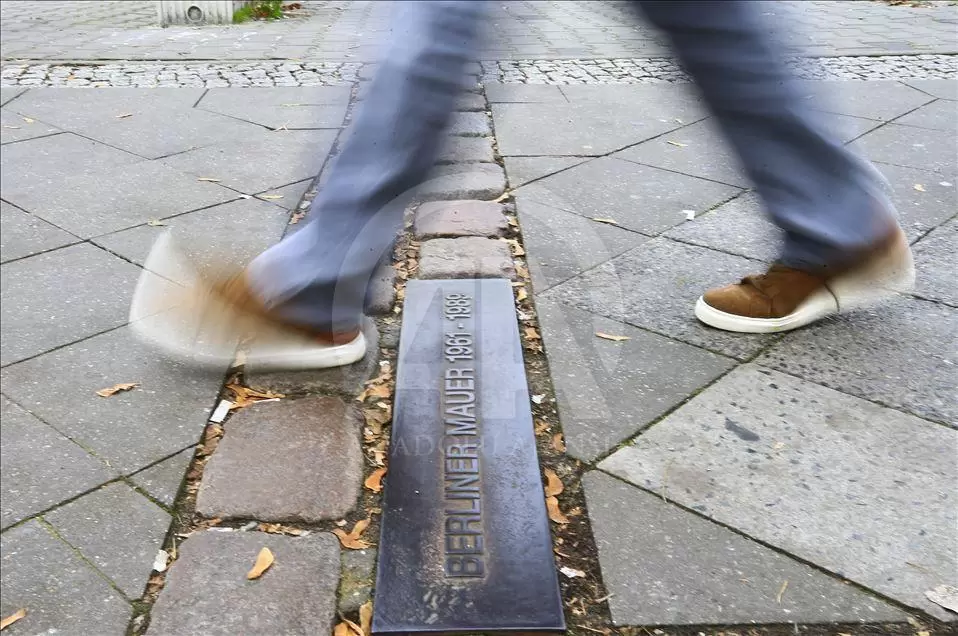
<point x="366" y="617"/>
<point x="296" y="218"/>
<point x="502" y="197"/>
<point x="919" y="187"/>
<point x="210" y="179"/>
<point x="552" y="505"/>
<point x="263" y="562"/>
<point x="558" y="443"/>
<point x="532" y="334"/>
<point x="375" y="480"/>
<point x="606" y="336"/>
<point x="541" y="426"/>
<point x="347" y="628"/>
<point x="13" y="618"/>
<point x="351" y="539"/>
<point x="554" y="484"/>
<point x="781" y="592"/>
<point x="676" y="143"/>
<point x="377" y="391"/>
<point x="116" y="388"/>
<point x="155" y="223"/>
<point x="609" y="221"/>
<point x="270" y="197"/>
<point x="29" y="120"/>
<point x="244" y="395"/>
<point x="521" y="294"/>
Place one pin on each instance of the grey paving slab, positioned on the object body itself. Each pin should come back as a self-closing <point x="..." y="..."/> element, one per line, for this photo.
<point x="637" y="197"/>
<point x="881" y="100"/>
<point x="498" y="93"/>
<point x="863" y="491"/>
<point x="463" y="181"/>
<point x="381" y="293"/>
<point x="49" y="161"/>
<point x="911" y="147"/>
<point x="560" y="244"/>
<point x="464" y="149"/>
<point x="655" y="286"/>
<point x="939" y="115"/>
<point x="738" y="227"/>
<point x="261" y="160"/>
<point x="24" y="234"/>
<point x="59" y="297"/>
<point x="292" y="194"/>
<point x="936" y="259"/>
<point x="215" y="239"/>
<point x="41" y="467"/>
<point x="152" y="122"/>
<point x="436" y="219"/>
<point x="470" y="102"/>
<point x="293" y="460"/>
<point x="356" y="582"/>
<point x="940" y="88"/>
<point x="922" y="210"/>
<point x="607" y="391"/>
<point x="521" y="170"/>
<point x="61" y="593"/>
<point x="697" y="150"/>
<point x="117" y="529"/>
<point x="14" y="127"/>
<point x="469" y="124"/>
<point x="206" y="590"/>
<point x="466" y="257"/>
<point x="162" y="481"/>
<point x="666" y="566"/>
<point x="113" y="198"/>
<point x="130" y="430"/>
<point x="276" y="107"/>
<point x="895" y="354"/>
<point x="7" y="94"/>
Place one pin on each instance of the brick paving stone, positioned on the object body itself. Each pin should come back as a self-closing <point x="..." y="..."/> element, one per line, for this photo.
<point x="293" y="460"/>
<point x="935" y="264"/>
<point x="24" y="234"/>
<point x="118" y="530"/>
<point x="162" y="481"/>
<point x="206" y="590"/>
<point x="465" y="149"/>
<point x="343" y="381"/>
<point x="463" y="181"/>
<point x="607" y="391"/>
<point x="469" y="124"/>
<point x="560" y="244"/>
<point x="130" y="430"/>
<point x="470" y="102"/>
<point x="522" y="170"/>
<point x="437" y="219"/>
<point x="643" y="199"/>
<point x="356" y="583"/>
<point x="655" y="286"/>
<point x="853" y="487"/>
<point x="467" y="257"/>
<point x="64" y="287"/>
<point x="892" y="354"/>
<point x="687" y="571"/>
<point x="381" y="295"/>
<point x="259" y="161"/>
<point x="61" y="593"/>
<point x="41" y="467"/>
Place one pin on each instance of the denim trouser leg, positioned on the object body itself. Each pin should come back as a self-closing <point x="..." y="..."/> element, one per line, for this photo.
<point x="319" y="275"/>
<point x="828" y="201"/>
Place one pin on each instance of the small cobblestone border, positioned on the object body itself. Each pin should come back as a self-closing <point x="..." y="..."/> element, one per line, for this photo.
<point x="575" y="71"/>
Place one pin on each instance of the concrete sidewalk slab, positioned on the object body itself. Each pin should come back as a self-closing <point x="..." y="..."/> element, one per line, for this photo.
<point x="856" y="488"/>
<point x="935" y="262"/>
<point x="25" y="235"/>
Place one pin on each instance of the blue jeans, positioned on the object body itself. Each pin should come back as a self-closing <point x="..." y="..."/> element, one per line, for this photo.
<point x="827" y="200"/>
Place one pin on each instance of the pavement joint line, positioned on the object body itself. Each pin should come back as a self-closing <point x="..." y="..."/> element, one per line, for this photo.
<point x="770" y="546"/>
<point x="65" y="345"/>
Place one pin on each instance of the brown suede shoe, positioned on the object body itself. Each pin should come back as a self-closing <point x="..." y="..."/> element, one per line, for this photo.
<point x="784" y="298"/>
<point x="203" y="321"/>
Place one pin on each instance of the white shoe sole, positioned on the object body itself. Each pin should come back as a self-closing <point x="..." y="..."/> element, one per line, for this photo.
<point x="863" y="287"/>
<point x="190" y="324"/>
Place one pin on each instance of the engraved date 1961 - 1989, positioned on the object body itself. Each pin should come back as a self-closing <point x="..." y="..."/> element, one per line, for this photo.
<point x="458" y="345"/>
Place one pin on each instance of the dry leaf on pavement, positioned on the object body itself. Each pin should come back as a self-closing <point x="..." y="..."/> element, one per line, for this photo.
<point x="919" y="187"/>
<point x="347" y="628"/>
<point x="29" y="120"/>
<point x="609" y="221"/>
<point x="263" y="561"/>
<point x="676" y="143"/>
<point x="116" y="388"/>
<point x="541" y="426"/>
<point x="375" y="480"/>
<point x="552" y="505"/>
<point x="377" y="391"/>
<point x="296" y="218"/>
<point x="522" y="294"/>
<point x="532" y="334"/>
<point x="554" y="484"/>
<point x="13" y="618"/>
<point x="155" y="223"/>
<point x="608" y="336"/>
<point x="366" y="617"/>
<point x="571" y="572"/>
<point x="351" y="539"/>
<point x="270" y="197"/>
<point x="124" y="115"/>
<point x="246" y="395"/>
<point x="558" y="443"/>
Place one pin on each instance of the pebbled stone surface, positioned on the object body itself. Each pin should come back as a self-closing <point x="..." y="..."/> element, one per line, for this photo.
<point x="207" y="592"/>
<point x="860" y="490"/>
<point x="292" y="460"/>
<point x="467" y="257"/>
<point x="450" y="219"/>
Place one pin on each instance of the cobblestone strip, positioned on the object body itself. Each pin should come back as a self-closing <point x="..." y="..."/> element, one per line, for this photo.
<point x="608" y="71"/>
